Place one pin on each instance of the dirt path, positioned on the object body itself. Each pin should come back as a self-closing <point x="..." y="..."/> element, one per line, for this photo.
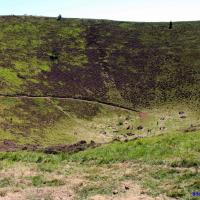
<point x="21" y="96"/>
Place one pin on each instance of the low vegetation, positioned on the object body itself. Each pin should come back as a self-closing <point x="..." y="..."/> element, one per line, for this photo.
<point x="166" y="164"/>
<point x="132" y="89"/>
<point x="127" y="63"/>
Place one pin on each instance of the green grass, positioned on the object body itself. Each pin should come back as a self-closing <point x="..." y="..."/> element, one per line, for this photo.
<point x="139" y="65"/>
<point x="173" y="183"/>
<point x="10" y="78"/>
<point x="103" y="56"/>
<point x="32" y="157"/>
<point x="164" y="62"/>
<point x="48" y="166"/>
<point x="39" y="181"/>
<point x="51" y="122"/>
<point x="91" y="190"/>
<point x="5" y="182"/>
<point x="151" y="150"/>
<point x="164" y="164"/>
<point x="184" y="147"/>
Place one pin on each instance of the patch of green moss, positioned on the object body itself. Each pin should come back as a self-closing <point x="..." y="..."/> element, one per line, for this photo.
<point x="9" y="78"/>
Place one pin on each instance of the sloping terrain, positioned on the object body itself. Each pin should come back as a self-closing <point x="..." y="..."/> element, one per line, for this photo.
<point x="131" y="90"/>
<point x="164" y="166"/>
<point x="132" y="65"/>
<point x="52" y="121"/>
<point x="49" y="121"/>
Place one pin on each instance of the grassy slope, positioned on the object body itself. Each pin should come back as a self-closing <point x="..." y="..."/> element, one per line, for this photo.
<point x="53" y="121"/>
<point x="143" y="65"/>
<point x="132" y="64"/>
<point x="164" y="164"/>
<point x="48" y="122"/>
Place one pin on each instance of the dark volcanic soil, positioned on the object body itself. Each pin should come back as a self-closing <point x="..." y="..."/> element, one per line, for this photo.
<point x="10" y="146"/>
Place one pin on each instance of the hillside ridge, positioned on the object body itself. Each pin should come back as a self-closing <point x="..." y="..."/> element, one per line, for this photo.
<point x="126" y="63"/>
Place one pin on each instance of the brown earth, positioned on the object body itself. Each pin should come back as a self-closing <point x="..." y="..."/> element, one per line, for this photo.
<point x="132" y="192"/>
<point x="10" y="146"/>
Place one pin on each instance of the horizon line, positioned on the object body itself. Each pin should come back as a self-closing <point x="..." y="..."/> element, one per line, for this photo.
<point x="85" y="18"/>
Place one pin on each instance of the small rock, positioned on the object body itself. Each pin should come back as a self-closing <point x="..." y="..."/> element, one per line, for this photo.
<point x="115" y="192"/>
<point x="82" y="142"/>
<point x="127" y="118"/>
<point x="80" y="184"/>
<point x="139" y="127"/>
<point x="92" y="142"/>
<point x="190" y="129"/>
<point x="129" y="127"/>
<point x="103" y="133"/>
<point x="162" y="118"/>
<point x="126" y="187"/>
<point x="117" y="139"/>
<point x="142" y="192"/>
<point x="181" y="113"/>
<point x="120" y="123"/>
<point x="130" y="134"/>
<point x="183" y="117"/>
<point x="126" y="122"/>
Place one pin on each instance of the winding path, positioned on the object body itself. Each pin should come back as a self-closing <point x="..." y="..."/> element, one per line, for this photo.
<point x="21" y="96"/>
